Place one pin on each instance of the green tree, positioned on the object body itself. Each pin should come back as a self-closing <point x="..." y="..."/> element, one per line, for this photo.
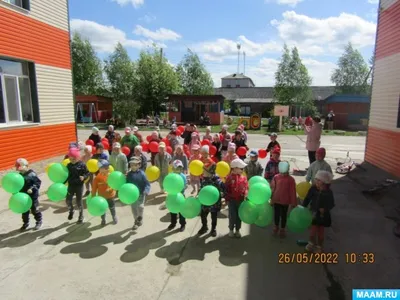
<point x="351" y="76"/>
<point x="120" y="71"/>
<point x="292" y="81"/>
<point x="194" y="78"/>
<point x="87" y="68"/>
<point x="156" y="79"/>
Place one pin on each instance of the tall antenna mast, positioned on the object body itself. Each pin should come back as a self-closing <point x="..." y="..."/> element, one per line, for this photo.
<point x="244" y="63"/>
<point x="238" y="48"/>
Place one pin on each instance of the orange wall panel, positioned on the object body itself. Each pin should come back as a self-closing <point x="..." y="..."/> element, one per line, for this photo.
<point x="388" y="38"/>
<point x="35" y="143"/>
<point x="383" y="150"/>
<point x="25" y="38"/>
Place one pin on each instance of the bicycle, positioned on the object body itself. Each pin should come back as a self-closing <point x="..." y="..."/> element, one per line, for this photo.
<point x="345" y="166"/>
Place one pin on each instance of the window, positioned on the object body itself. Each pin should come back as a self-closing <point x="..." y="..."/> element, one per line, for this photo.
<point x="16" y="104"/>
<point x="238" y="85"/>
<point x="245" y="110"/>
<point x="228" y="85"/>
<point x="21" y="3"/>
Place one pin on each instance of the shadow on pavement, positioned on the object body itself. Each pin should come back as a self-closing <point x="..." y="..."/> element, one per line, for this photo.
<point x="26" y="237"/>
<point x="75" y="233"/>
<point x="96" y="247"/>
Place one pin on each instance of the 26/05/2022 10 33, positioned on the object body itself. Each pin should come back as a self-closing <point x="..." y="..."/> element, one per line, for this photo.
<point x="326" y="258"/>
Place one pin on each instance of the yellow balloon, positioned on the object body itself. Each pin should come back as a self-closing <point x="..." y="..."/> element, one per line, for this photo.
<point x="170" y="169"/>
<point x="48" y="166"/>
<point x="111" y="169"/>
<point x="222" y="169"/>
<point x="196" y="167"/>
<point x="66" y="161"/>
<point x="302" y="189"/>
<point x="92" y="165"/>
<point x="152" y="173"/>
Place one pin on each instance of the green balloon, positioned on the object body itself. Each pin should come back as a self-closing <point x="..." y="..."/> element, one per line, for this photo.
<point x="248" y="212"/>
<point x="20" y="203"/>
<point x="191" y="208"/>
<point x="88" y="198"/>
<point x="13" y="182"/>
<point x="58" y="173"/>
<point x="57" y="192"/>
<point x="209" y="195"/>
<point x="293" y="227"/>
<point x="173" y="183"/>
<point x="259" y="193"/>
<point x="128" y="193"/>
<point x="257" y="179"/>
<point x="300" y="219"/>
<point x="265" y="215"/>
<point x="116" y="179"/>
<point x="97" y="206"/>
<point x="174" y="202"/>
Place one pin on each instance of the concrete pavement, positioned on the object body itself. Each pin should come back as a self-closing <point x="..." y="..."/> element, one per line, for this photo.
<point x="68" y="261"/>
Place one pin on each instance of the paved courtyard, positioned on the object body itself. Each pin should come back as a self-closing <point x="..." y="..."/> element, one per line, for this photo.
<point x="68" y="261"/>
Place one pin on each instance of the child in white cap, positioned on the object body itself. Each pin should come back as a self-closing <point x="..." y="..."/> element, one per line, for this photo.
<point x="95" y="136"/>
<point x="236" y="187"/>
<point x="143" y="158"/>
<point x="321" y="201"/>
<point x="118" y="159"/>
<point x="31" y="187"/>
<point x="208" y="135"/>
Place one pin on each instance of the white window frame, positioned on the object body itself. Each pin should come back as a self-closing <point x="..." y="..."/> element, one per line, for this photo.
<point x="19" y="6"/>
<point x="5" y="104"/>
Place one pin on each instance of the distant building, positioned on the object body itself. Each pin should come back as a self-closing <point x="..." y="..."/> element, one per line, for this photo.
<point x="237" y="81"/>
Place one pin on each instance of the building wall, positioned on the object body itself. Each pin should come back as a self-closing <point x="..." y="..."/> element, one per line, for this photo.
<point x="383" y="140"/>
<point x="242" y="82"/>
<point x="349" y="115"/>
<point x="39" y="36"/>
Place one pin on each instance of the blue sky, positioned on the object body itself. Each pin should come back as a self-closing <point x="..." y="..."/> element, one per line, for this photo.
<point x="211" y="28"/>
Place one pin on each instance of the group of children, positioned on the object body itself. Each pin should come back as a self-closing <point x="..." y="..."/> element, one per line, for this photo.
<point x="234" y="190"/>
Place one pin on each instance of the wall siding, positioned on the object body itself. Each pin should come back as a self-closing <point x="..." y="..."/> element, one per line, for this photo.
<point x="35" y="143"/>
<point x="52" y="12"/>
<point x="385" y="93"/>
<point x="385" y="4"/>
<point x="25" y="38"/>
<point x="55" y="95"/>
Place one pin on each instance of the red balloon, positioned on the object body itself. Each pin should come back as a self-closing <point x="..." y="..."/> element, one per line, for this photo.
<point x="149" y="138"/>
<point x="181" y="128"/>
<point x="185" y="148"/>
<point x="241" y="151"/>
<point x="125" y="150"/>
<point x="213" y="150"/>
<point x="169" y="150"/>
<point x="145" y="146"/>
<point x="187" y="153"/>
<point x="90" y="143"/>
<point x="94" y="150"/>
<point x="106" y="144"/>
<point x="166" y="141"/>
<point x="104" y="140"/>
<point x="153" y="147"/>
<point x="205" y="143"/>
<point x="221" y="137"/>
<point x="262" y="153"/>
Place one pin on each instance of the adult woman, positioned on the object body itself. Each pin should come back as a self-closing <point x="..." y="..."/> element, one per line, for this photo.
<point x="313" y="142"/>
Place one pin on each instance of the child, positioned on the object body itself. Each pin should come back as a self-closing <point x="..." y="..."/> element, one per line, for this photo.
<point x="271" y="169"/>
<point x="195" y="180"/>
<point x="208" y="135"/>
<point x="209" y="178"/>
<point x="31" y="187"/>
<point x="231" y="155"/>
<point x="237" y="187"/>
<point x="95" y="137"/>
<point x="179" y="155"/>
<point x="143" y="159"/>
<point x="217" y="144"/>
<point x="273" y="143"/>
<point x="283" y="188"/>
<point x="319" y="164"/>
<point x="100" y="153"/>
<point x="321" y="201"/>
<point x="154" y="138"/>
<point x="195" y="141"/>
<point x="118" y="159"/>
<point x="173" y="140"/>
<point x="77" y="174"/>
<point x="162" y="161"/>
<point x="87" y="154"/>
<point x="239" y="141"/>
<point x="244" y="133"/>
<point x="177" y="168"/>
<point x="101" y="187"/>
<point x="254" y="167"/>
<point x="138" y="178"/>
<point x="110" y="136"/>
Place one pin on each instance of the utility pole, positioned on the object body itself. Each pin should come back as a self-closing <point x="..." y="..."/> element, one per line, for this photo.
<point x="238" y="46"/>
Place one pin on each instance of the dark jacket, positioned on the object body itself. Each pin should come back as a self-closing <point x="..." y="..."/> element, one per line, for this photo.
<point x="272" y="145"/>
<point x="110" y="136"/>
<point x="218" y="145"/>
<point x="187" y="137"/>
<point x="75" y="171"/>
<point x="320" y="199"/>
<point x="139" y="179"/>
<point x="32" y="182"/>
<point x="215" y="181"/>
<point x="95" y="138"/>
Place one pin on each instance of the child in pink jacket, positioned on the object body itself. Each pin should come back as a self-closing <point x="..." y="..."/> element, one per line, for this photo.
<point x="283" y="196"/>
<point x="313" y="138"/>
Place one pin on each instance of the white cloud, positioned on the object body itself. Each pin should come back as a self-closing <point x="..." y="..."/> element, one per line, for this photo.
<point x="104" y="38"/>
<point x="373" y="1"/>
<point x="135" y="3"/>
<point x="148" y="18"/>
<point x="161" y="34"/>
<point x="292" y="3"/>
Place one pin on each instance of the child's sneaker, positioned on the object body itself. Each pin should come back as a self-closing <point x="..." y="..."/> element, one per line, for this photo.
<point x="71" y="215"/>
<point x="80" y="219"/>
<point x="231" y="233"/>
<point x="202" y="230"/>
<point x="282" y="233"/>
<point x="103" y="222"/>
<point x="38" y="225"/>
<point x="310" y="247"/>
<point x="275" y="230"/>
<point x="139" y="221"/>
<point x="115" y="220"/>
<point x="318" y="249"/>
<point x="135" y="227"/>
<point x="237" y="234"/>
<point x="24" y="227"/>
<point x="182" y="229"/>
<point x="171" y="226"/>
<point x="213" y="233"/>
